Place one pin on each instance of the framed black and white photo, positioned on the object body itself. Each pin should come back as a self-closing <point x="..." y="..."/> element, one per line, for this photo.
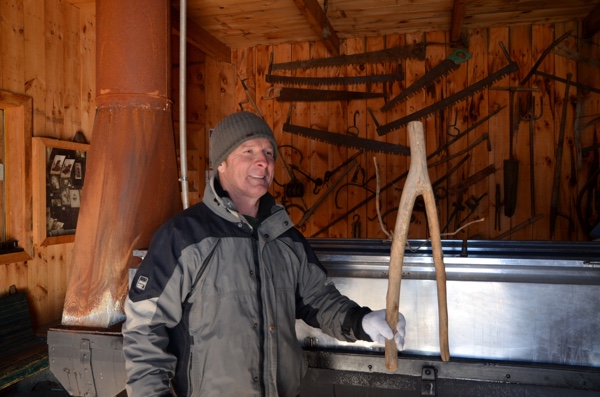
<point x="58" y="176"/>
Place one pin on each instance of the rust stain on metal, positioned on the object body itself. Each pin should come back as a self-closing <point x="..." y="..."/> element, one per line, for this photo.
<point x="131" y="184"/>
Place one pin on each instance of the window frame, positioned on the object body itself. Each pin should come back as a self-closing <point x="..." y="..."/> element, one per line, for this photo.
<point x="18" y="131"/>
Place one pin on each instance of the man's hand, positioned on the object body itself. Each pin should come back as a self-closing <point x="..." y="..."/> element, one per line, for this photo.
<point x="376" y="326"/>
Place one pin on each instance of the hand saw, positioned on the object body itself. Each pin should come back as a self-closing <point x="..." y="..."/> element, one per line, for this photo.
<point x="322" y="81"/>
<point x="283" y="94"/>
<point x="443" y="68"/>
<point x="390" y="54"/>
<point x="347" y="140"/>
<point x="344" y="140"/>
<point x="454" y="98"/>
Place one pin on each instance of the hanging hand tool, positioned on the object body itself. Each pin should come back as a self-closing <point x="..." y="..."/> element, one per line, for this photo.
<point x="433" y="154"/>
<point x="340" y="80"/>
<point x="577" y="129"/>
<point x="576" y="56"/>
<point x="498" y="212"/>
<point x="520" y="226"/>
<point x="353" y="183"/>
<point x="249" y="95"/>
<point x="573" y="174"/>
<point x="353" y="129"/>
<point x="294" y="188"/>
<point x="329" y="174"/>
<point x="317" y="182"/>
<point x="439" y="191"/>
<point x="294" y="185"/>
<point x="344" y="139"/>
<point x="472" y="180"/>
<point x="454" y="98"/>
<point x="558" y="159"/>
<point x="431" y="77"/>
<point x="588" y="216"/>
<point x="584" y="87"/>
<point x="485" y="137"/>
<point x="472" y="203"/>
<point x="325" y="81"/>
<point x="417" y="183"/>
<point x="511" y="165"/>
<point x="532" y="118"/>
<point x="543" y="56"/>
<point x="356" y="226"/>
<point x="458" y="207"/>
<point x="314" y="207"/>
<point x="283" y="94"/>
<point x="390" y="54"/>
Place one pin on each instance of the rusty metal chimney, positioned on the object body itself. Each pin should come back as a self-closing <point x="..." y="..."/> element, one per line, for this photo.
<point x="131" y="184"/>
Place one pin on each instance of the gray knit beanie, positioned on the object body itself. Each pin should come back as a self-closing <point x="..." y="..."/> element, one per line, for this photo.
<point x="232" y="131"/>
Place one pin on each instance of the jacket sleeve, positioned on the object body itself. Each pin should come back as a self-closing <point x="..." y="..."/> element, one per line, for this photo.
<point x="320" y="304"/>
<point x="153" y="305"/>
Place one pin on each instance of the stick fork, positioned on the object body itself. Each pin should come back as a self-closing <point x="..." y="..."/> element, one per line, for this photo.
<point x="417" y="183"/>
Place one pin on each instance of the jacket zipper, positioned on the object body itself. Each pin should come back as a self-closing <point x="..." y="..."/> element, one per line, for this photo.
<point x="190" y="364"/>
<point x="261" y="319"/>
<point x="185" y="303"/>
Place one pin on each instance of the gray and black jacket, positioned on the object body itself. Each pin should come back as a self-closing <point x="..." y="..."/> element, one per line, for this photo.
<point x="212" y="308"/>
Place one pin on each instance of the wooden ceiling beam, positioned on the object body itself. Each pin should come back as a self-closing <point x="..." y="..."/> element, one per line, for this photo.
<point x="201" y="39"/>
<point x="591" y="23"/>
<point x="317" y="19"/>
<point x="458" y="15"/>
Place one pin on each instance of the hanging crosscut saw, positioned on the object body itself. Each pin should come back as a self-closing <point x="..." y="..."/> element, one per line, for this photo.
<point x="286" y="94"/>
<point x="454" y="98"/>
<point x="390" y="54"/>
<point x="344" y="140"/>
<point x="443" y="68"/>
<point x="325" y="81"/>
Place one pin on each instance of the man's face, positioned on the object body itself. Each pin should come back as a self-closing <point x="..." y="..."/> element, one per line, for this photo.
<point x="248" y="170"/>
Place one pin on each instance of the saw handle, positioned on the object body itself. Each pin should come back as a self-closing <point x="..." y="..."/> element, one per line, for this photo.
<point x="273" y="93"/>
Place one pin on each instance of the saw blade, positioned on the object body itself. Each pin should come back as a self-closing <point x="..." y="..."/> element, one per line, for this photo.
<point x="451" y="100"/>
<point x="347" y="140"/>
<point x="443" y="68"/>
<point x="390" y="54"/>
<point x="325" y="81"/>
<point x="286" y="94"/>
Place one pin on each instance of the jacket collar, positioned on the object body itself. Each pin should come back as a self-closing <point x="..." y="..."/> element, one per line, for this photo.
<point x="271" y="215"/>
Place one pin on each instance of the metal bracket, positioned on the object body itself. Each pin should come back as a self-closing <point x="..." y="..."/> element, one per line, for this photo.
<point x="428" y="381"/>
<point x="85" y="356"/>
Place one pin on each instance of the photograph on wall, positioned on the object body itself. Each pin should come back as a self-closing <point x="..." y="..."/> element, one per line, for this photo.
<point x="77" y="169"/>
<point x="67" y="168"/>
<point x="54" y="183"/>
<point x="57" y="164"/>
<point x="75" y="199"/>
<point x="65" y="173"/>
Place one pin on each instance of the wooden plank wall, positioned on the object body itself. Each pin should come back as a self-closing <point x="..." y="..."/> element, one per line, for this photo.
<point x="478" y="202"/>
<point x="48" y="53"/>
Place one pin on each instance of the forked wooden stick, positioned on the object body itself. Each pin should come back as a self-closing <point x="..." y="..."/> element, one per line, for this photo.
<point x="417" y="183"/>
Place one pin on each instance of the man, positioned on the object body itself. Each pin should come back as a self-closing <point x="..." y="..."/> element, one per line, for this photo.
<point x="212" y="308"/>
